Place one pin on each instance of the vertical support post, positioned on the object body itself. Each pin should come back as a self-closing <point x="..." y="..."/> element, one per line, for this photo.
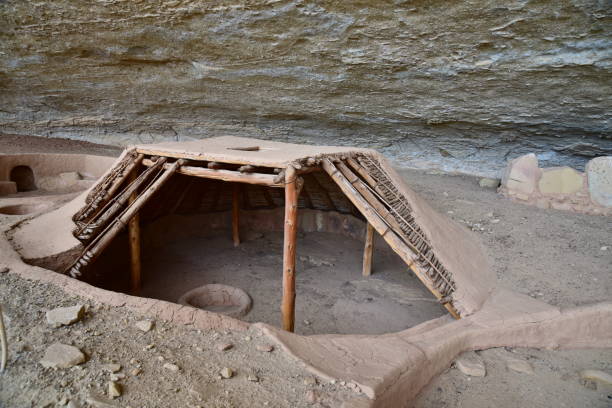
<point x="236" y="214"/>
<point x="291" y="205"/>
<point x="134" y="237"/>
<point x="367" y="250"/>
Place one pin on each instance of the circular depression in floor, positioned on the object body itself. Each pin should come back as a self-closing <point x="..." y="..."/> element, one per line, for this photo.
<point x="217" y="298"/>
<point x="22" y="209"/>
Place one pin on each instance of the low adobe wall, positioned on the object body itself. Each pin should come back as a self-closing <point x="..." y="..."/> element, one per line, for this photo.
<point x="48" y="165"/>
<point x="560" y="188"/>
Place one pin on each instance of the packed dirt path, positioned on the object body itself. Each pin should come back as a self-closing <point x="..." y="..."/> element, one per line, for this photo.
<point x="562" y="258"/>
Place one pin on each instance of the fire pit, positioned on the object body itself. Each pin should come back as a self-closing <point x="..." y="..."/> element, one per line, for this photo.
<point x="224" y="299"/>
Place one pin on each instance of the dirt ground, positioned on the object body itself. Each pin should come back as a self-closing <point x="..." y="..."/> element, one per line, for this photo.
<point x="555" y="256"/>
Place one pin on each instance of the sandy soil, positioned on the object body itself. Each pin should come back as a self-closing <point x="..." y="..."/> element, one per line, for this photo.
<point x="551" y="255"/>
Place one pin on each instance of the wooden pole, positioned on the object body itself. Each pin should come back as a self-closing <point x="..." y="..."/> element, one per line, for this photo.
<point x="367" y="250"/>
<point x="134" y="236"/>
<point x="236" y="214"/>
<point x="291" y="205"/>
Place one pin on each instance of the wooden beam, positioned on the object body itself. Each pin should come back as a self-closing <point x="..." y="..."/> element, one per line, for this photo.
<point x="134" y="238"/>
<point x="289" y="247"/>
<point x="379" y="224"/>
<point x="94" y="249"/>
<point x="236" y="214"/>
<point x="226" y="175"/>
<point x="367" y="250"/>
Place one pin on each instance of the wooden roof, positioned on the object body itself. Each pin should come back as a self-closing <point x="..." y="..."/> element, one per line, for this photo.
<point x="231" y="149"/>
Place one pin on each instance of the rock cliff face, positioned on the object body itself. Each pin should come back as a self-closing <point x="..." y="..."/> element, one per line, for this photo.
<point x="465" y="84"/>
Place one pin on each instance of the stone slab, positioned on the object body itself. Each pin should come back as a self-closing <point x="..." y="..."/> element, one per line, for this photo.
<point x="521" y="175"/>
<point x="599" y="178"/>
<point x="60" y="355"/>
<point x="560" y="180"/>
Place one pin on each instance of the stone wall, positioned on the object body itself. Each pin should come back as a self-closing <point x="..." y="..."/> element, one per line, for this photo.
<point x="561" y="188"/>
<point x="459" y="85"/>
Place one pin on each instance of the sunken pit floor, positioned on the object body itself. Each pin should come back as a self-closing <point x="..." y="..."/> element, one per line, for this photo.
<point x="332" y="295"/>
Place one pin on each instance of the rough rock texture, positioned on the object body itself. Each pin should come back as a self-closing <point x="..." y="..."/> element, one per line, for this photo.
<point x="561" y="188"/>
<point x="471" y="83"/>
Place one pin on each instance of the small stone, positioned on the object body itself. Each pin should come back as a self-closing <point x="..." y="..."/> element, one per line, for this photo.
<point x="112" y="368"/>
<point x="114" y="390"/>
<point x="312" y="396"/>
<point x="310" y="380"/>
<point x="266" y="348"/>
<point x="149" y="346"/>
<point x="603" y="248"/>
<point x="171" y="367"/>
<point x="224" y="346"/>
<point x="99" y="402"/>
<point x="227" y="372"/>
<point x="307" y="322"/>
<point x="488" y="183"/>
<point x="60" y="355"/>
<point x="471" y="364"/>
<point x="144" y="325"/>
<point x="253" y="378"/>
<point x="135" y="372"/>
<point x="117" y="377"/>
<point x="63" y="316"/>
<point x="597" y="376"/>
<point x="247" y="338"/>
<point x="520" y="366"/>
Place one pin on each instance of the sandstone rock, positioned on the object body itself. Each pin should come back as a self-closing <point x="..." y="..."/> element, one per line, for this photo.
<point x="227" y="372"/>
<point x="520" y="366"/>
<point x="60" y="355"/>
<point x="597" y="376"/>
<point x="266" y="348"/>
<point x="112" y="368"/>
<point x="144" y="325"/>
<point x="171" y="367"/>
<point x="521" y="175"/>
<point x="7" y="187"/>
<point x="488" y="183"/>
<point x="100" y="402"/>
<point x="599" y="178"/>
<point x="560" y="180"/>
<point x="471" y="364"/>
<point x="63" y="316"/>
<point x="114" y="390"/>
<point x="224" y="346"/>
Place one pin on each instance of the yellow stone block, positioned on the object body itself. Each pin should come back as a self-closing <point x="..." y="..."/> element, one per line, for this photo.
<point x="560" y="180"/>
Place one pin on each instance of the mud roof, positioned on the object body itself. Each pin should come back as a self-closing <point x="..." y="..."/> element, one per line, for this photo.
<point x="242" y="150"/>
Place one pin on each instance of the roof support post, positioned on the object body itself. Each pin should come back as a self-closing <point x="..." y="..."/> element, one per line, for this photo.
<point x="134" y="238"/>
<point x="367" y="250"/>
<point x="236" y="214"/>
<point x="289" y="247"/>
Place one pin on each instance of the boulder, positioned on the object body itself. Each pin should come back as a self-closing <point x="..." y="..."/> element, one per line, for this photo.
<point x="60" y="355"/>
<point x="599" y="179"/>
<point x="560" y="180"/>
<point x="521" y="175"/>
<point x="63" y="316"/>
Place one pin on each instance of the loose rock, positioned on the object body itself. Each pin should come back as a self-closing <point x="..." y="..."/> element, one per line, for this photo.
<point x="597" y="376"/>
<point x="488" y="183"/>
<point x="100" y="402"/>
<point x="60" y="355"/>
<point x="171" y="367"/>
<point x="266" y="348"/>
<point x="253" y="378"/>
<point x="227" y="372"/>
<point x="471" y="364"/>
<point x="113" y="368"/>
<point x="144" y="325"/>
<point x="63" y="316"/>
<point x="312" y="396"/>
<point x="114" y="389"/>
<point x="310" y="380"/>
<point x="224" y="346"/>
<point x="520" y="366"/>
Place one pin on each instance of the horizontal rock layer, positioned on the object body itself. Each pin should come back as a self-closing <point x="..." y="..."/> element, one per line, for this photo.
<point x="463" y="85"/>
